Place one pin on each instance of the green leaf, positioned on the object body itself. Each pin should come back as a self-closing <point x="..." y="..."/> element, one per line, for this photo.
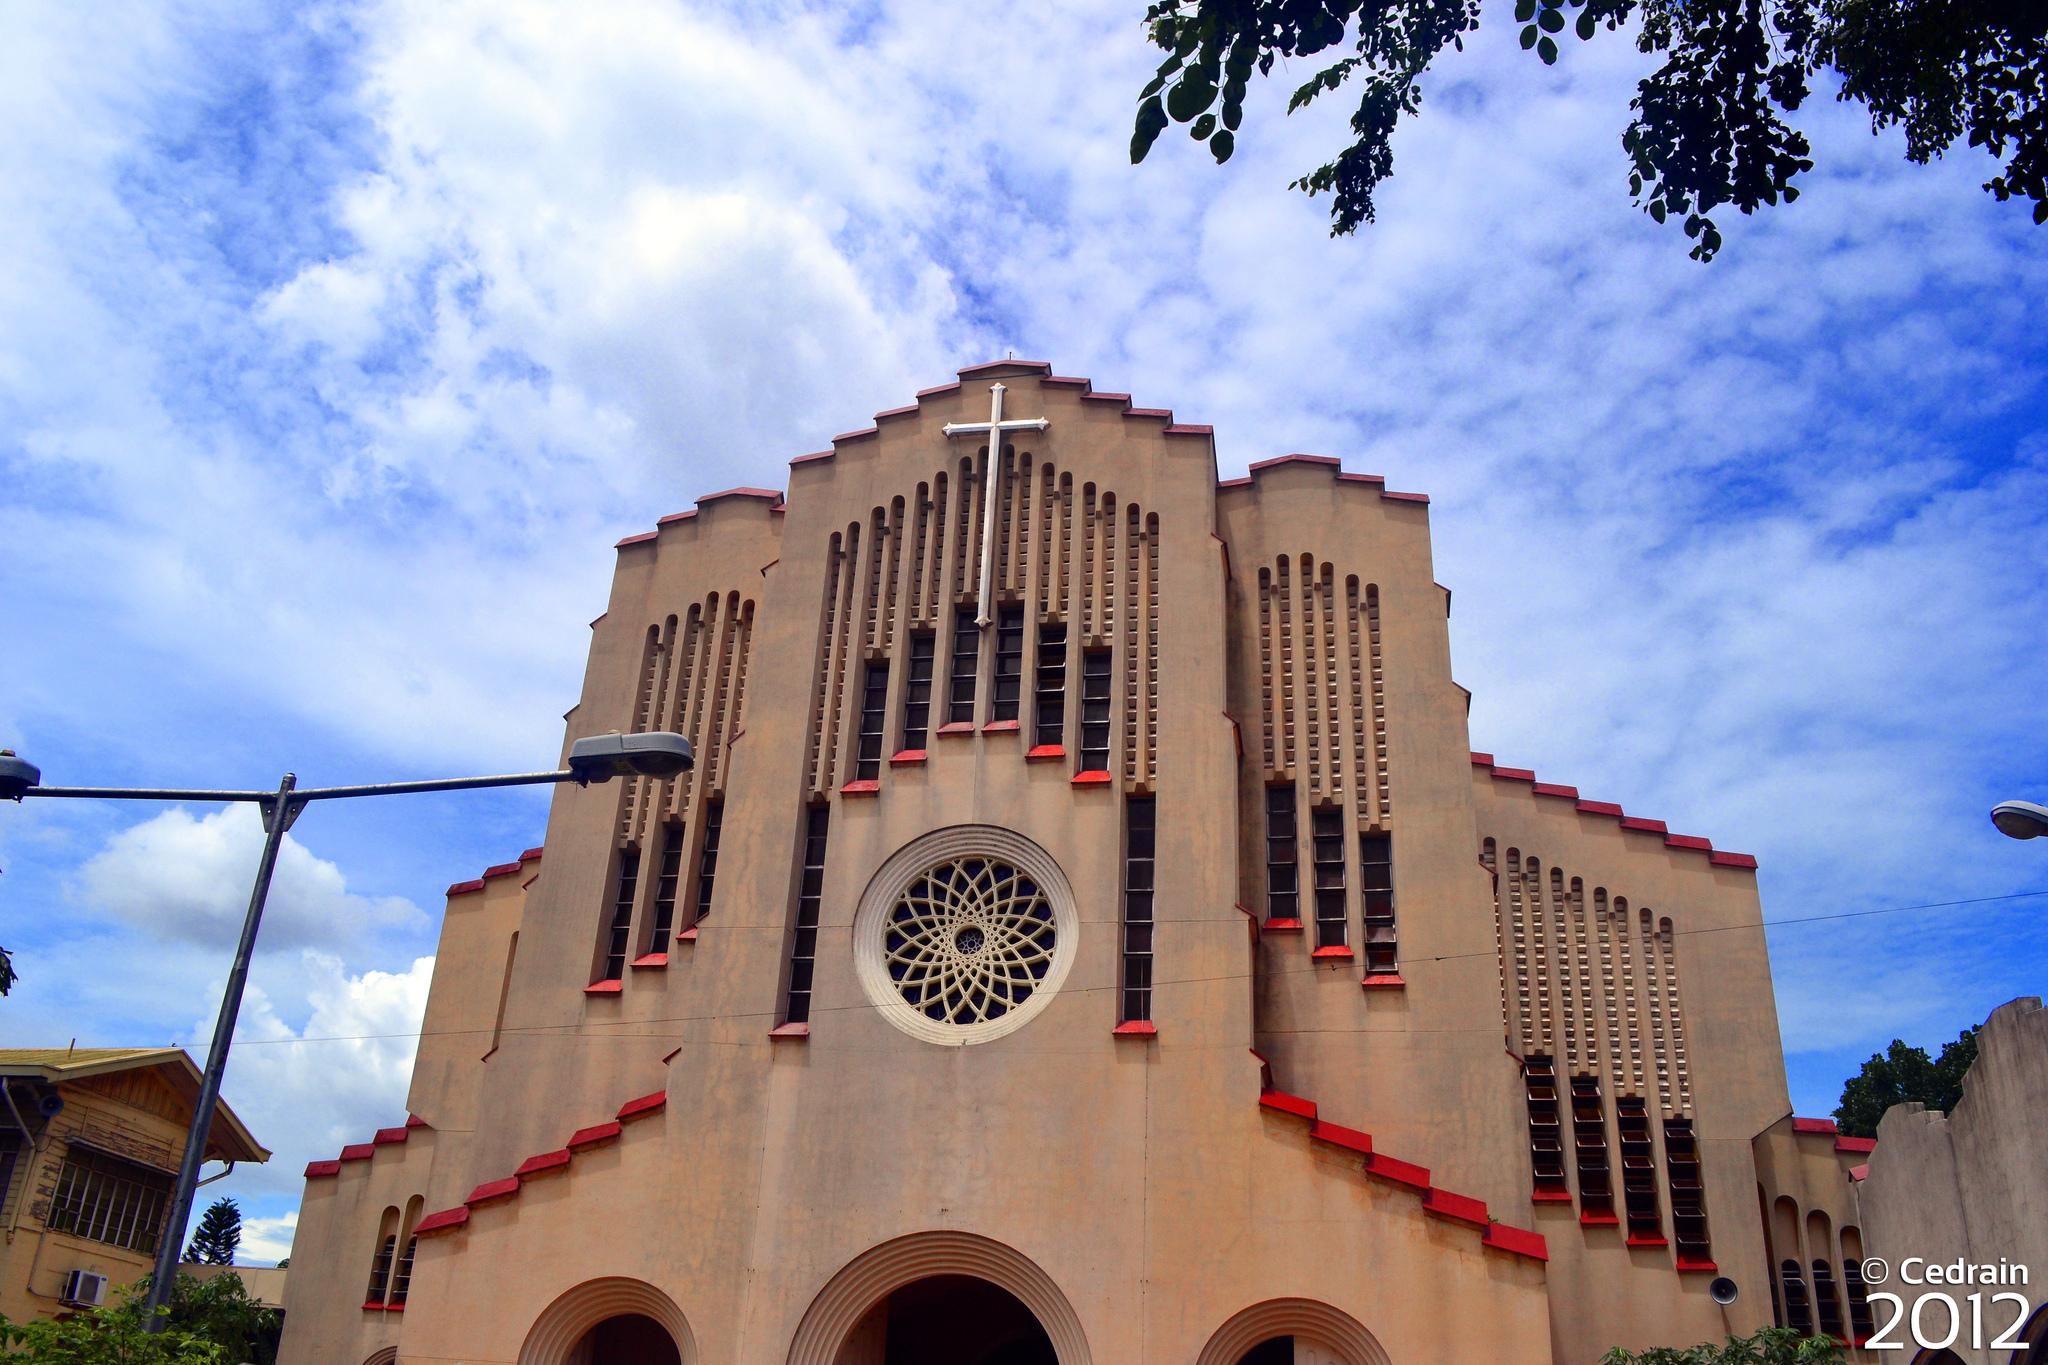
<point x="1529" y="36"/>
<point x="1657" y="209"/>
<point x="1550" y="21"/>
<point x="1189" y="97"/>
<point x="1151" y="122"/>
<point x="2040" y="211"/>
<point x="1587" y="25"/>
<point x="1204" y="126"/>
<point x="1525" y="10"/>
<point x="1222" y="145"/>
<point x="1547" y="50"/>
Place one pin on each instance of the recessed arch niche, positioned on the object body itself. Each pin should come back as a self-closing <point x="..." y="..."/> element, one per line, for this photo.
<point x="1334" y="1331"/>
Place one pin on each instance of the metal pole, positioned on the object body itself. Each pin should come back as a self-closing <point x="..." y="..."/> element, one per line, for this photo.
<point x="278" y="812"/>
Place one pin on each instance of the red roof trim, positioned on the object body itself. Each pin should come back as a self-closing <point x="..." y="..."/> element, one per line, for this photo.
<point x="1855" y="1144"/>
<point x="643" y="538"/>
<point x="1822" y="1126"/>
<point x="643" y="1106"/>
<point x="1553" y="789"/>
<point x="1233" y="483"/>
<point x="464" y="888"/>
<point x="1860" y="1173"/>
<point x="501" y="870"/>
<point x="1601" y="808"/>
<point x="443" y="1221"/>
<point x="1422" y="498"/>
<point x="1643" y="826"/>
<point x="935" y="390"/>
<point x="315" y="1170"/>
<point x="1723" y="858"/>
<point x="1480" y="760"/>
<point x="1165" y="413"/>
<point x="493" y="1189"/>
<point x="533" y="855"/>
<point x="1517" y="1242"/>
<point x="1288" y="1104"/>
<point x="386" y="1136"/>
<point x="1460" y="1208"/>
<point x="813" y="457"/>
<point x="415" y="1121"/>
<point x="1044" y="367"/>
<point x="674" y="517"/>
<point x="1123" y="398"/>
<point x="1514" y="774"/>
<point x="1400" y="1172"/>
<point x="1330" y="460"/>
<point x="1692" y="841"/>
<point x="1065" y="381"/>
<point x="771" y="494"/>
<point x="863" y="434"/>
<point x="594" y="1135"/>
<point x="1190" y="429"/>
<point x="1337" y="1135"/>
<point x="1345" y="476"/>
<point x="909" y="410"/>
<point x="358" y="1151"/>
<point x="543" y="1163"/>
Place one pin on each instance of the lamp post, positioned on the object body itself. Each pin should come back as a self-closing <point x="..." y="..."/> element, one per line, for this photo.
<point x="2020" y="819"/>
<point x="596" y="759"/>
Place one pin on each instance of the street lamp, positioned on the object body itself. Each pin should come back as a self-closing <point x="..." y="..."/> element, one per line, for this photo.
<point x="2020" y="819"/>
<point x="598" y="758"/>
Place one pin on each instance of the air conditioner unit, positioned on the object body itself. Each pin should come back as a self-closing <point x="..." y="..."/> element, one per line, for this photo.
<point x="85" y="1288"/>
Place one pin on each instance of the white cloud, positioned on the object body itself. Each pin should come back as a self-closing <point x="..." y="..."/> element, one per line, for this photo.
<point x="266" y="1241"/>
<point x="189" y="878"/>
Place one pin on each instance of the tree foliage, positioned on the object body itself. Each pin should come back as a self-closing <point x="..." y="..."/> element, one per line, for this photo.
<point x="7" y="973"/>
<point x="1709" y="125"/>
<point x="104" y="1336"/>
<point x="1900" y="1074"/>
<point x="1771" y="1346"/>
<point x="218" y="1234"/>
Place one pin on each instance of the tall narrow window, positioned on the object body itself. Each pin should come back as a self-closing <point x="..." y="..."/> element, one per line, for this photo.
<point x="810" y="892"/>
<point x="1546" y="1135"/>
<point x="1798" y="1310"/>
<point x="1853" y="1289"/>
<point x="1825" y="1301"/>
<point x="1095" y="711"/>
<point x="1049" y="716"/>
<point x="380" y="1264"/>
<point x="707" y="856"/>
<point x="1140" y="843"/>
<point x="665" y="883"/>
<point x="1589" y="1143"/>
<point x="917" y="692"/>
<point x="1638" y="1172"/>
<point x="1009" y="683"/>
<point x="1688" y="1196"/>
<point x="966" y="662"/>
<point x="1283" y="873"/>
<point x="1376" y="878"/>
<point x="401" y="1277"/>
<point x="622" y="915"/>
<point x="874" y="702"/>
<point x="1326" y="828"/>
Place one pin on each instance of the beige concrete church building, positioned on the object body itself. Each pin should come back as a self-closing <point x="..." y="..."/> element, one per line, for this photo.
<point x="1086" y="936"/>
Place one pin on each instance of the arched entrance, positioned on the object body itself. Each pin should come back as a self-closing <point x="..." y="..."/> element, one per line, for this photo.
<point x="1292" y="1332"/>
<point x="949" y="1320"/>
<point x="612" y="1321"/>
<point x="882" y="1305"/>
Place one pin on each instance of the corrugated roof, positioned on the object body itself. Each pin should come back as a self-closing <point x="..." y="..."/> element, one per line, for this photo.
<point x="229" y="1140"/>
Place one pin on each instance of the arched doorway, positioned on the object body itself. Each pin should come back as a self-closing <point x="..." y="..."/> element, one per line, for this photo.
<point x="612" y="1321"/>
<point x="628" y="1339"/>
<point x="939" y="1275"/>
<point x="1292" y="1332"/>
<point x="949" y="1320"/>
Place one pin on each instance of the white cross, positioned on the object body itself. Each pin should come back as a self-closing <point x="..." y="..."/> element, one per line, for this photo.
<point x="994" y="427"/>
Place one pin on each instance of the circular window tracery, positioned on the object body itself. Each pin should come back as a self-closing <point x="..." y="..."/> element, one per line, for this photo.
<point x="969" y="940"/>
<point x="964" y="934"/>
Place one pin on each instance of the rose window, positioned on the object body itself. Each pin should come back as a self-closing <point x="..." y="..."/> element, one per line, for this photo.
<point x="964" y="934"/>
<point x="969" y="940"/>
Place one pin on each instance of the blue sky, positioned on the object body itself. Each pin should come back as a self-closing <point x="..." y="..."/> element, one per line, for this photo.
<point x="338" y="345"/>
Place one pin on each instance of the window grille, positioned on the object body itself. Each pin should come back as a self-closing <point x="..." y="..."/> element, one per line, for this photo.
<point x="380" y="1265"/>
<point x="106" y="1199"/>
<point x="810" y="891"/>
<point x="1326" y="829"/>
<point x="1376" y="878"/>
<point x="622" y="915"/>
<point x="1283" y="875"/>
<point x="1009" y="679"/>
<point x="1050" y="715"/>
<point x="665" y="883"/>
<point x="1140" y="849"/>
<point x="966" y="662"/>
<point x="1095" y="711"/>
<point x="707" y="856"/>
<point x="874" y="701"/>
<point x="401" y="1278"/>
<point x="917" y="691"/>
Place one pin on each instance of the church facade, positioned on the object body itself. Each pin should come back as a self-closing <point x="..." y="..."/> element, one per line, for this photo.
<point x="1086" y="935"/>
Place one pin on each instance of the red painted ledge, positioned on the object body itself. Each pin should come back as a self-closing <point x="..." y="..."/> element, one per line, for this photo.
<point x="1190" y="429"/>
<point x="1041" y="753"/>
<point x="1855" y="1144"/>
<point x="1337" y="1135"/>
<point x="358" y="1151"/>
<point x="1823" y="1126"/>
<point x="863" y="788"/>
<point x="594" y="1135"/>
<point x="643" y="1106"/>
<point x="1638" y="823"/>
<point x="1515" y="774"/>
<point x="1136" y="1028"/>
<point x="492" y="1190"/>
<point x="1400" y="1172"/>
<point x="1000" y="727"/>
<point x="1556" y="789"/>
<point x="532" y="855"/>
<point x="501" y="870"/>
<point x="1723" y="858"/>
<point x="1516" y="1242"/>
<point x="1422" y="498"/>
<point x="1550" y="1196"/>
<point x="885" y="414"/>
<point x="1693" y="1266"/>
<point x="688" y="935"/>
<point x="373" y="1307"/>
<point x="863" y="434"/>
<point x="1092" y="777"/>
<point x="1123" y="398"/>
<point x="649" y="960"/>
<point x="317" y="1169"/>
<point x="445" y="1221"/>
<point x="608" y="987"/>
<point x="1288" y="1104"/>
<point x="543" y="1164"/>
<point x="1601" y="808"/>
<point x="1598" y="1220"/>
<point x="1480" y="760"/>
<point x="957" y="727"/>
<point x="1692" y="841"/>
<point x="643" y="538"/>
<point x="464" y="888"/>
<point x="1636" y="1239"/>
<point x="1334" y="951"/>
<point x="1283" y="926"/>
<point x="789" y="1031"/>
<point x="1861" y="1173"/>
<point x="386" y="1136"/>
<point x="905" y="758"/>
<point x="1384" y="981"/>
<point x="1459" y="1208"/>
<point x="1331" y="460"/>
